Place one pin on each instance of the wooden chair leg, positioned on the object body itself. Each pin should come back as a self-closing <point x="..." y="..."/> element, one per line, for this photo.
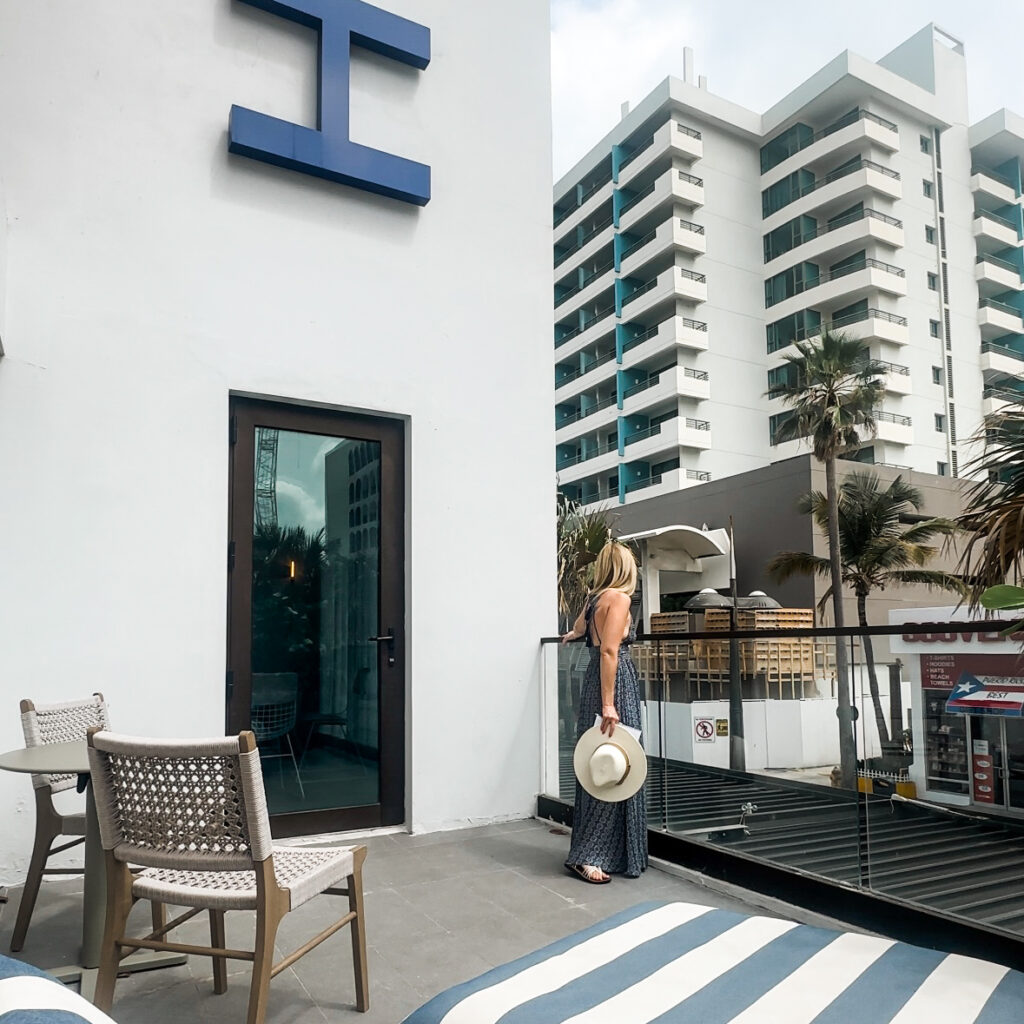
<point x="45" y="835"/>
<point x="119" y="905"/>
<point x="218" y="941"/>
<point x="159" y="912"/>
<point x="268" y="917"/>
<point x="355" y="904"/>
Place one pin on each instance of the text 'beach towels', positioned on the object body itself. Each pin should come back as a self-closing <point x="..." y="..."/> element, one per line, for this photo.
<point x="28" y="996"/>
<point x="676" y="963"/>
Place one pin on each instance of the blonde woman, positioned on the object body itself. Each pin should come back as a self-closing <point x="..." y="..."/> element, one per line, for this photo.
<point x="608" y="838"/>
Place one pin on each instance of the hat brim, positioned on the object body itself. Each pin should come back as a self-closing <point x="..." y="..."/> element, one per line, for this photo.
<point x="634" y="780"/>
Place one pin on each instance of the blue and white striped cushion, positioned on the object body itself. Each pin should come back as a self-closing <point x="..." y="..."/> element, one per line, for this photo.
<point x="676" y="963"/>
<point x="28" y="996"/>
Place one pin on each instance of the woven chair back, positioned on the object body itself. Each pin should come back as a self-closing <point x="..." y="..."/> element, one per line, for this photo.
<point x="61" y="723"/>
<point x="188" y="805"/>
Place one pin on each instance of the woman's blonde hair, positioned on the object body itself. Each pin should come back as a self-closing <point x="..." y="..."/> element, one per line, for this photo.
<point x="615" y="569"/>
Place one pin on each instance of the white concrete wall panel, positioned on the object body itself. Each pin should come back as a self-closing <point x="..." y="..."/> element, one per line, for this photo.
<point x="151" y="274"/>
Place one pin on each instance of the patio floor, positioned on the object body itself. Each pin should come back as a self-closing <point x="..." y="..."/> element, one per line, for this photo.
<point x="440" y="909"/>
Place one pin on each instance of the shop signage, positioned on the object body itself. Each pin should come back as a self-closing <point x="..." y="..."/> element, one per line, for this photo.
<point x="327" y="151"/>
<point x="983" y="774"/>
<point x="987" y="695"/>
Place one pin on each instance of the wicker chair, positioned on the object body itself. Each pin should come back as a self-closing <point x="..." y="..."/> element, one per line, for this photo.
<point x="193" y="813"/>
<point x="42" y="724"/>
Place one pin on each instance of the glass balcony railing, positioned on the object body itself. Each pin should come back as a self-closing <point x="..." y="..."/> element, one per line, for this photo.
<point x="870" y="760"/>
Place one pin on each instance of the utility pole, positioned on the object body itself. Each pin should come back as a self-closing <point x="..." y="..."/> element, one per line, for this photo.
<point x="737" y="748"/>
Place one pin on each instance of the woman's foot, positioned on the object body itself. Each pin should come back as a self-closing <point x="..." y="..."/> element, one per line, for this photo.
<point x="589" y="873"/>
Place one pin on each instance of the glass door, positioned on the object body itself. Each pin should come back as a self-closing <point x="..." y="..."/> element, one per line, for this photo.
<point x="316" y="584"/>
<point x="1013" y="746"/>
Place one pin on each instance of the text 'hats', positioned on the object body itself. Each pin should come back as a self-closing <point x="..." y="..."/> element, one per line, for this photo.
<point x="610" y="768"/>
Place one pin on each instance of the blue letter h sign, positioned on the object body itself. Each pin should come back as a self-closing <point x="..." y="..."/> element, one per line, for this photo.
<point x="328" y="152"/>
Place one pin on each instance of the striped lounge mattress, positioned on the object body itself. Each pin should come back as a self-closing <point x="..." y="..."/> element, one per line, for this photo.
<point x="677" y="963"/>
<point x="28" y="996"/>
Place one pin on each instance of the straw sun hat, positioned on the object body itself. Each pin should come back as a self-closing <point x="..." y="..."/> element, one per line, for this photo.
<point x="610" y="768"/>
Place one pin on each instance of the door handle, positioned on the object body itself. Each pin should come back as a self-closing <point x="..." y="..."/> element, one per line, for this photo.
<point x="389" y="639"/>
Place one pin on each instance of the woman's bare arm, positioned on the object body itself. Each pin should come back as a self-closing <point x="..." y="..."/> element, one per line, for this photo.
<point x="611" y="618"/>
<point x="579" y="627"/>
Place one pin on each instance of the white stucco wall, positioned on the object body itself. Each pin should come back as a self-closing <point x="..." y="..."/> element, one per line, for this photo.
<point x="151" y="274"/>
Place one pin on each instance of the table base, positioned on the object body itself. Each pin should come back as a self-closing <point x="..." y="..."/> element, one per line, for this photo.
<point x="144" y="960"/>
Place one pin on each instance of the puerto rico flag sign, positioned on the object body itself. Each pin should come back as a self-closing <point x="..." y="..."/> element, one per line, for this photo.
<point x="987" y="695"/>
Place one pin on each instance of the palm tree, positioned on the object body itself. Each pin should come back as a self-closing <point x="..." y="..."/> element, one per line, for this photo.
<point x="994" y="507"/>
<point x="832" y="391"/>
<point x="876" y="550"/>
<point x="581" y="535"/>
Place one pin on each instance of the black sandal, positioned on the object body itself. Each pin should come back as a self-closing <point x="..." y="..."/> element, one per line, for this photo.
<point x="580" y="871"/>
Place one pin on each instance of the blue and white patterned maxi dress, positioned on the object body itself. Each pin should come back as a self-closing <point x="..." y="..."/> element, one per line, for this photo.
<point x="611" y="836"/>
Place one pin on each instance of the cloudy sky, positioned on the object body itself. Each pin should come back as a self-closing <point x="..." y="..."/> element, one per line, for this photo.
<point x="607" y="51"/>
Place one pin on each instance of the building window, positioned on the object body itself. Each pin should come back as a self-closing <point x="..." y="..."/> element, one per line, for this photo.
<point x="926" y="186"/>
<point x="926" y="144"/>
<point x="934" y="327"/>
<point x="941" y="468"/>
<point x="940" y="422"/>
<point x="936" y="372"/>
<point x="929" y="234"/>
<point x="933" y="281"/>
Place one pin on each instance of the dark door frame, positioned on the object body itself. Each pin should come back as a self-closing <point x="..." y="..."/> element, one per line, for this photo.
<point x="245" y="415"/>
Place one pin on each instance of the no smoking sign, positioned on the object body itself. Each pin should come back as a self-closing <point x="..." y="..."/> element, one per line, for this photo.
<point x="704" y="730"/>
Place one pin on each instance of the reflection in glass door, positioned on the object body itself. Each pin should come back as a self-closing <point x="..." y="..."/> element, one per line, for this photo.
<point x="315" y="661"/>
<point x="1013" y="731"/>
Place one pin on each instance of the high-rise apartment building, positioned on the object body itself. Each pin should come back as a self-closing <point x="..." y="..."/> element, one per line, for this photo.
<point x="698" y="241"/>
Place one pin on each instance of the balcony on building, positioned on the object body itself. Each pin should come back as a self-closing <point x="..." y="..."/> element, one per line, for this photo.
<point x="593" y="490"/>
<point x="855" y="278"/>
<point x="590" y="411"/>
<point x="593" y="326"/>
<point x="861" y="321"/>
<point x="802" y="193"/>
<point x="584" y="371"/>
<point x="995" y="231"/>
<point x="645" y="386"/>
<point x="585" y="284"/>
<point x="992" y="188"/>
<point x="999" y="319"/>
<point x="809" y="238"/>
<point x="895" y="377"/>
<point x="583" y="240"/>
<point x="663" y="433"/>
<point x="650" y="246"/>
<point x="591" y="453"/>
<point x="644" y="340"/>
<point x="672" y="188"/>
<point x="1000" y="360"/>
<point x="996" y="275"/>
<point x="997" y="397"/>
<point x="584" y="197"/>
<point x="659" y="296"/>
<point x="672" y="141"/>
<point x="856" y="133"/>
<point x="649" y="483"/>
<point x="893" y="428"/>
